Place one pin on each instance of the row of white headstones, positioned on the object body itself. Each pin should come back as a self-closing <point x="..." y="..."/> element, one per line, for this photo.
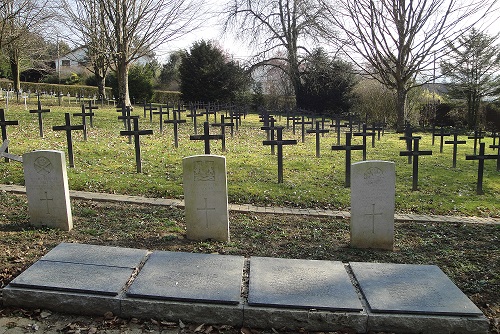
<point x="206" y="200"/>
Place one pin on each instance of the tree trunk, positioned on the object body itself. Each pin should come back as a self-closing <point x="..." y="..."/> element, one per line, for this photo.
<point x="401" y="95"/>
<point x="14" y="67"/>
<point x="122" y="76"/>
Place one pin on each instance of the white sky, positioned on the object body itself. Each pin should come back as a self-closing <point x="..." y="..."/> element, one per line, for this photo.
<point x="240" y="51"/>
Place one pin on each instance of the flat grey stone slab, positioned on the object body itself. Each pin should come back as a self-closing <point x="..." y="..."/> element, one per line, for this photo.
<point x="414" y="289"/>
<point x="73" y="277"/>
<point x="96" y="255"/>
<point x="193" y="277"/>
<point x="309" y="284"/>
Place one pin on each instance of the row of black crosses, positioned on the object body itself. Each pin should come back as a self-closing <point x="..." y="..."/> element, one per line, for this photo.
<point x="412" y="144"/>
<point x="269" y="126"/>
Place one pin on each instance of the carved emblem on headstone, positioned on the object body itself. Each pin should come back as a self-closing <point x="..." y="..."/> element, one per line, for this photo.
<point x="43" y="165"/>
<point x="204" y="171"/>
<point x="373" y="174"/>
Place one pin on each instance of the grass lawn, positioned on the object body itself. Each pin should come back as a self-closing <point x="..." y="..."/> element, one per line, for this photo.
<point x="106" y="163"/>
<point x="468" y="253"/>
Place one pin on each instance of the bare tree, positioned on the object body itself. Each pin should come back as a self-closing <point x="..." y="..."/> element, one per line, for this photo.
<point x="134" y="28"/>
<point x="401" y="39"/>
<point x="84" y="18"/>
<point x="280" y="31"/>
<point x="20" y="20"/>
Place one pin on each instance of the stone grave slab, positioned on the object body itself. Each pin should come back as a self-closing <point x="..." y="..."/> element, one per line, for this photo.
<point x="411" y="289"/>
<point x="96" y="255"/>
<point x="302" y="284"/>
<point x="179" y="276"/>
<point x="47" y="189"/>
<point x="373" y="190"/>
<point x="205" y="197"/>
<point x="73" y="277"/>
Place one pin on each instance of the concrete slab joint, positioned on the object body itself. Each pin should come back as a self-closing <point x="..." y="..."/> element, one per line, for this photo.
<point x="257" y="292"/>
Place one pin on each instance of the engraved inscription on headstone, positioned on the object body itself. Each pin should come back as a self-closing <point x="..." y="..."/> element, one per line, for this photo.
<point x="205" y="196"/>
<point x="47" y="189"/>
<point x="373" y="187"/>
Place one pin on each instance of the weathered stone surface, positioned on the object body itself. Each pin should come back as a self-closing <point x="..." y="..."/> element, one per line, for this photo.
<point x="308" y="284"/>
<point x="205" y="278"/>
<point x="73" y="277"/>
<point x="188" y="312"/>
<point x="427" y="324"/>
<point x="205" y="196"/>
<point x="61" y="301"/>
<point x="296" y="320"/>
<point x="96" y="255"/>
<point x="47" y="189"/>
<point x="406" y="288"/>
<point x="373" y="186"/>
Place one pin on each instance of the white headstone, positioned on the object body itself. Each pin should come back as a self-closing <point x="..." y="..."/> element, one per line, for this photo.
<point x="373" y="190"/>
<point x="47" y="189"/>
<point x="205" y="197"/>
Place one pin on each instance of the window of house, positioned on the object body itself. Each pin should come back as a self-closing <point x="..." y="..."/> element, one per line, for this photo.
<point x="65" y="62"/>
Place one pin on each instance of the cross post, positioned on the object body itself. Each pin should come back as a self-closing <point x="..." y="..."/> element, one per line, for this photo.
<point x="441" y="134"/>
<point x="318" y="131"/>
<point x="91" y="114"/>
<point x="3" y="124"/>
<point x="84" y="115"/>
<point x="365" y="134"/>
<point x="137" y="133"/>
<point x="455" y="142"/>
<point x="68" y="128"/>
<point x="206" y="136"/>
<point x="478" y="135"/>
<point x="480" y="169"/>
<point x="39" y="111"/>
<point x="223" y="126"/>
<point x="176" y="123"/>
<point x="280" y="142"/>
<point x="348" y="148"/>
<point x="415" y="153"/>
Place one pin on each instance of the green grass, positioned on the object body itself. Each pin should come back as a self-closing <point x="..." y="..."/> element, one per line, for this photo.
<point x="106" y="163"/>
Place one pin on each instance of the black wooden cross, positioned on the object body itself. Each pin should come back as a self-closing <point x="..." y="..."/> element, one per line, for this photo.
<point x="480" y="169"/>
<point x="455" y="142"/>
<point x="40" y="111"/>
<point x="127" y="118"/>
<point x="84" y="115"/>
<point x="179" y="110"/>
<point x="350" y="122"/>
<point x="270" y="128"/>
<point x="408" y="137"/>
<point x="337" y="126"/>
<point x="303" y="123"/>
<point x="365" y="134"/>
<point x="223" y="124"/>
<point x="137" y="133"/>
<point x="209" y="111"/>
<point x="347" y="148"/>
<point x="163" y="111"/>
<point x="280" y="142"/>
<point x="194" y="115"/>
<point x="478" y="135"/>
<point x="415" y="153"/>
<point x="68" y="128"/>
<point x="318" y="131"/>
<point x="90" y="107"/>
<point x="150" y="108"/>
<point x="498" y="155"/>
<point x="376" y="127"/>
<point x="176" y="123"/>
<point x="206" y="136"/>
<point x="441" y="134"/>
<point x="495" y="135"/>
<point x="3" y="124"/>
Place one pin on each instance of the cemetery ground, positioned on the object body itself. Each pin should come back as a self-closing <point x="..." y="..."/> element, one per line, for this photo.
<point x="468" y="253"/>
